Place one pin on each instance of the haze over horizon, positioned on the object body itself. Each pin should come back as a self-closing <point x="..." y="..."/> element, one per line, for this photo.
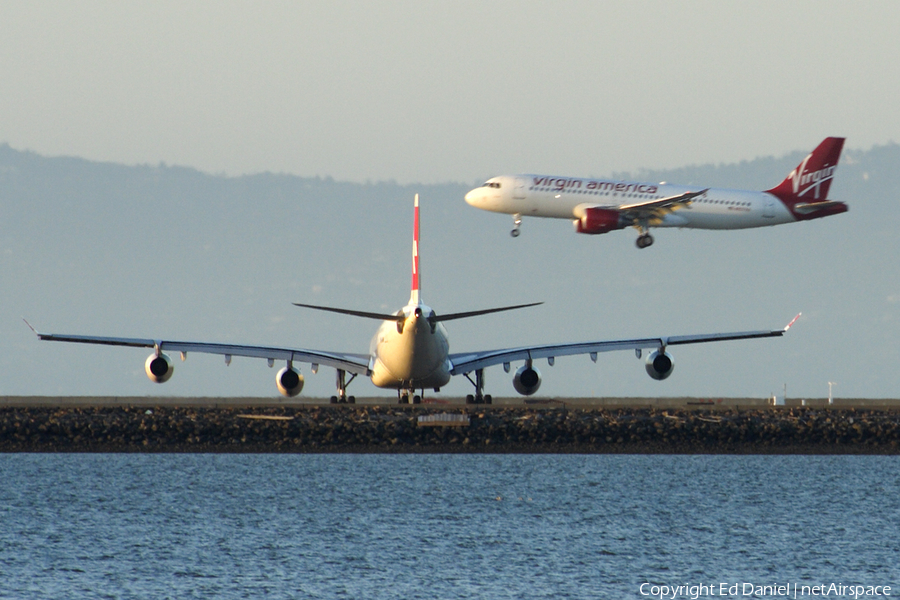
<point x="430" y="92"/>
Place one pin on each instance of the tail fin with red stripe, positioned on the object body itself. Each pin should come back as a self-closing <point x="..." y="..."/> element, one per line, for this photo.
<point x="805" y="190"/>
<point x="414" y="293"/>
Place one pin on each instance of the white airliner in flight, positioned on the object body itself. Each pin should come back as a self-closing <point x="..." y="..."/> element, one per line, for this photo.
<point x="410" y="351"/>
<point x="601" y="205"/>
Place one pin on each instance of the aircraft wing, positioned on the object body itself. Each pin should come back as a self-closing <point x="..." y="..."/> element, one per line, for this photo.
<point x="352" y="363"/>
<point x="657" y="209"/>
<point x="468" y="362"/>
<point x="670" y="202"/>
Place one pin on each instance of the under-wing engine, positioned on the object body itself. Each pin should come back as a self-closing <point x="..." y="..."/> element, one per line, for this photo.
<point x="527" y="380"/>
<point x="660" y="364"/>
<point x="159" y="367"/>
<point x="289" y="381"/>
<point x="599" y="220"/>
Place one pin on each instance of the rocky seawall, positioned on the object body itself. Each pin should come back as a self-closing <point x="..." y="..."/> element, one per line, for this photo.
<point x="451" y="430"/>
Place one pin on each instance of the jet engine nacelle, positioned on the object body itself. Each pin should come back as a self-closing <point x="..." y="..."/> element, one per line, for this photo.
<point x="527" y="380"/>
<point x="660" y="365"/>
<point x="159" y="368"/>
<point x="289" y="381"/>
<point x="599" y="220"/>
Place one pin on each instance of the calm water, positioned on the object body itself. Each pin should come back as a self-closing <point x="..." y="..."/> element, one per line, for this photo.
<point x="430" y="526"/>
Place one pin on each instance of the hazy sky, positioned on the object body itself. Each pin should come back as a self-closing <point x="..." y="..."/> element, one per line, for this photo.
<point x="427" y="92"/>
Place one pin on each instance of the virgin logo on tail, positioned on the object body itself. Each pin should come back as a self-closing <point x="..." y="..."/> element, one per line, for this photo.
<point x="812" y="177"/>
<point x="814" y="180"/>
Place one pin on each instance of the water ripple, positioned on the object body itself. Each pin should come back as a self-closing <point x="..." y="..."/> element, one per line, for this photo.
<point x="436" y="526"/>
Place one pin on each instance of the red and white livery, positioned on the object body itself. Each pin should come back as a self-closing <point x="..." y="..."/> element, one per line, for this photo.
<point x="601" y="205"/>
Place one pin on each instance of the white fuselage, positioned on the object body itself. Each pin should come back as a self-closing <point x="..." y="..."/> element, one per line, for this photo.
<point x="567" y="197"/>
<point x="410" y="355"/>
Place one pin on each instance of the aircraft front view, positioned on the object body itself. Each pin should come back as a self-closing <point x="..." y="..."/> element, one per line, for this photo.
<point x="411" y="351"/>
<point x="598" y="206"/>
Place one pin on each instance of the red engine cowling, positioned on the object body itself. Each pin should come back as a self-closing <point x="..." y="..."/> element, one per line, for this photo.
<point x="599" y="220"/>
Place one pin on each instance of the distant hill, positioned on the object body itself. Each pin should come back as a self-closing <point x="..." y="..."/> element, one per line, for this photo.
<point x="101" y="248"/>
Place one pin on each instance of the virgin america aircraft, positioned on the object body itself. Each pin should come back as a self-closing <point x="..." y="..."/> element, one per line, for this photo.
<point x="600" y="205"/>
<point x="410" y="351"/>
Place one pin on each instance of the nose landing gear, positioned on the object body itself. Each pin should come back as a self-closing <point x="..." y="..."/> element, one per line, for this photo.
<point x="409" y="397"/>
<point x="517" y="221"/>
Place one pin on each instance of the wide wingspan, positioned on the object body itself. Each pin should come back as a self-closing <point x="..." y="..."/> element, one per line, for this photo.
<point x="351" y="363"/>
<point x="469" y="362"/>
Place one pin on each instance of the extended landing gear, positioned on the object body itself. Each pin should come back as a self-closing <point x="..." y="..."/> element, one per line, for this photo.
<point x="342" y="383"/>
<point x="644" y="240"/>
<point x="517" y="222"/>
<point x="479" y="397"/>
<point x="485" y="399"/>
<point x="409" y="397"/>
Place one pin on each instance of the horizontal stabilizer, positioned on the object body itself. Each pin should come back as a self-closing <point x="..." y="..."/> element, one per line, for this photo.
<point x="811" y="207"/>
<point x="355" y="313"/>
<point x="400" y="317"/>
<point x="475" y="313"/>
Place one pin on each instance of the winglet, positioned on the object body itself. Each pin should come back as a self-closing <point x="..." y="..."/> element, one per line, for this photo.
<point x="794" y="320"/>
<point x="30" y="327"/>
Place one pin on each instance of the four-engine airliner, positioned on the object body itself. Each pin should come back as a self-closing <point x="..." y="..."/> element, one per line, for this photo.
<point x="410" y="351"/>
<point x="601" y="205"/>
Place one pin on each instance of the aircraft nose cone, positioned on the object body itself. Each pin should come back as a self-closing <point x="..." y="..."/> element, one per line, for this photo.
<point x="473" y="197"/>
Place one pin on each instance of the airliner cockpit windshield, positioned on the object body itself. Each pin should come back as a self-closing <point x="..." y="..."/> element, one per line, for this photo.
<point x="491" y="184"/>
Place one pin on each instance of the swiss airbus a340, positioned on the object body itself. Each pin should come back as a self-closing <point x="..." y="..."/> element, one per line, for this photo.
<point x="410" y="351"/>
<point x="600" y="206"/>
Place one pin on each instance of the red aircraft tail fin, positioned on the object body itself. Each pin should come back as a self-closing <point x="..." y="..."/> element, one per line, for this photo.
<point x="414" y="293"/>
<point x="805" y="191"/>
<point x="811" y="179"/>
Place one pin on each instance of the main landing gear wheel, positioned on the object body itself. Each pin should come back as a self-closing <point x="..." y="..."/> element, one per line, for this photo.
<point x="345" y="400"/>
<point x="644" y="240"/>
<point x="479" y="397"/>
<point x="484" y="399"/>
<point x="342" y="383"/>
<point x="408" y="397"/>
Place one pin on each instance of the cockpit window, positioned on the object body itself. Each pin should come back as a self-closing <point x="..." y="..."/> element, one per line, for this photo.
<point x="492" y="184"/>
